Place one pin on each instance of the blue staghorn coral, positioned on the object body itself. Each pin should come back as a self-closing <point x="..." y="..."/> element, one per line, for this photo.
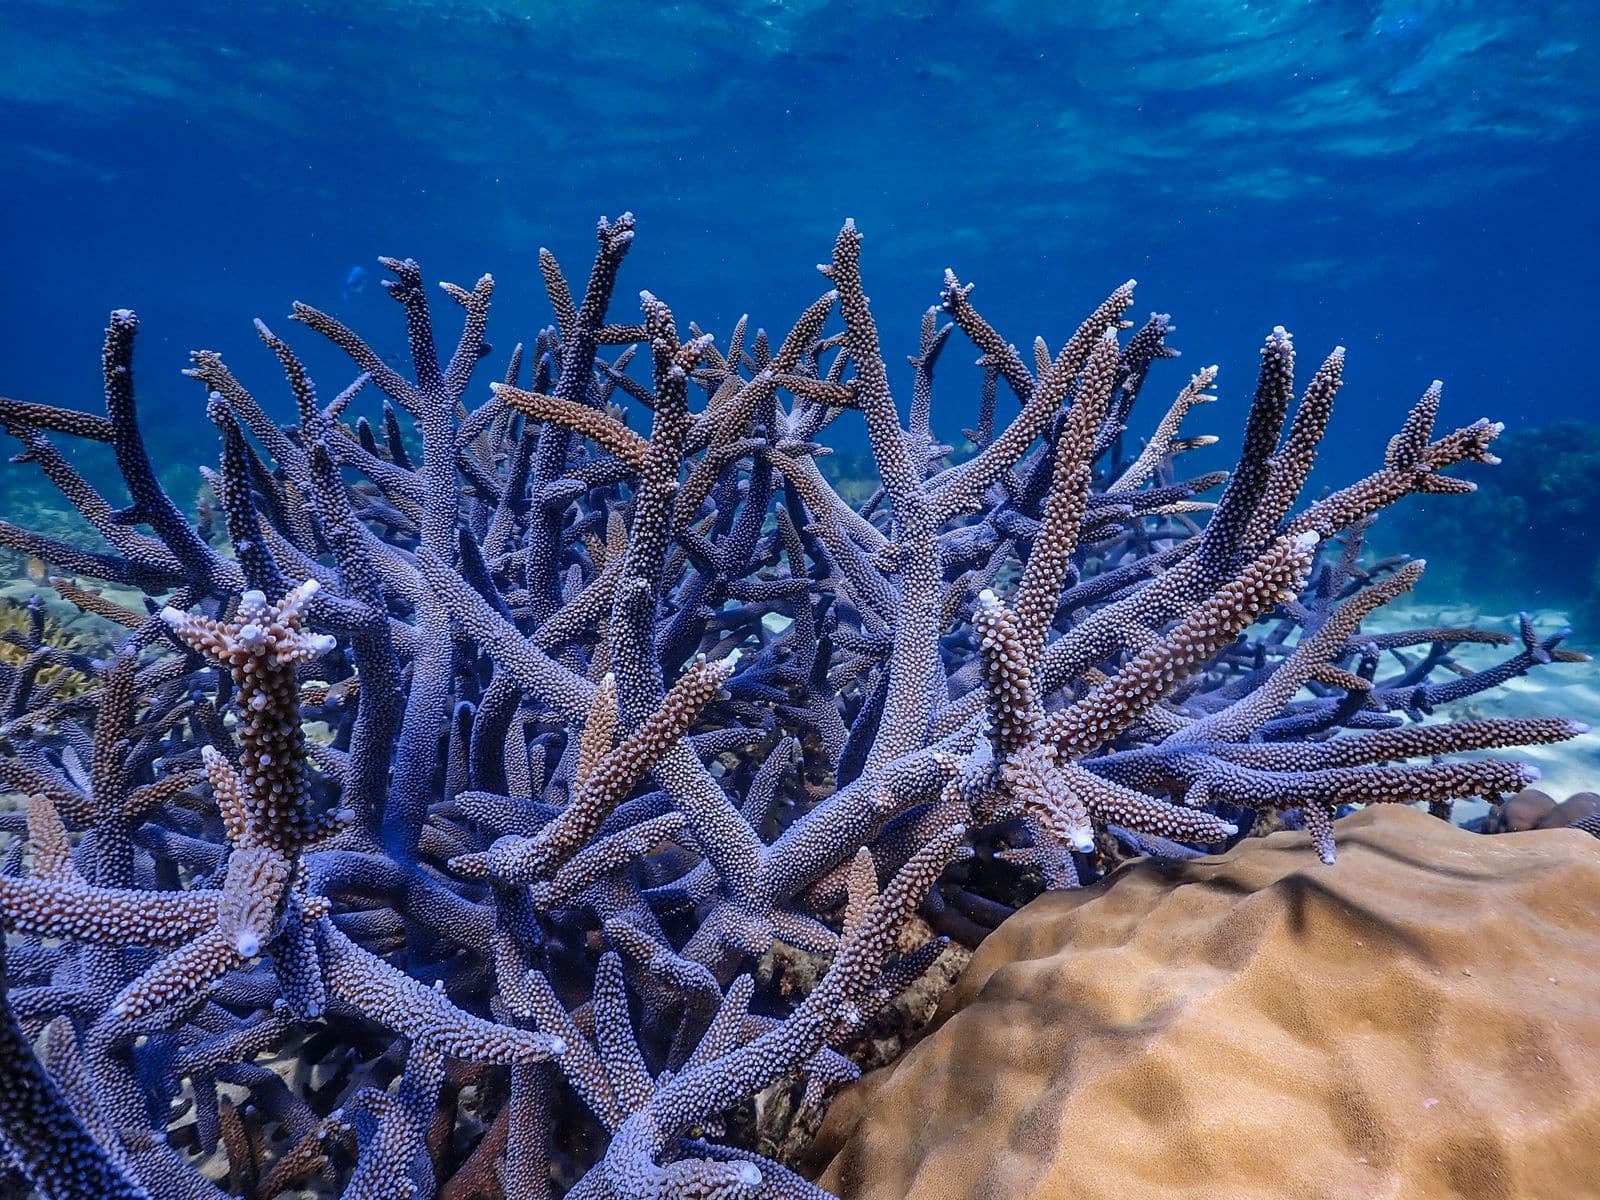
<point x="604" y="714"/>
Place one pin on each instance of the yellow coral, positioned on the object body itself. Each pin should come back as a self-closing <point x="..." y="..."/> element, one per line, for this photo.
<point x="64" y="682"/>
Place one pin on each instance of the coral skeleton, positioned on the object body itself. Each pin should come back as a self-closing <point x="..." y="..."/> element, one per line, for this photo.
<point x="431" y="829"/>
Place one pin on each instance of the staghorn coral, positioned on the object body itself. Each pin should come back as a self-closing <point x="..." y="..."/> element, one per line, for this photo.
<point x="1507" y="548"/>
<point x="36" y="646"/>
<point x="610" y="712"/>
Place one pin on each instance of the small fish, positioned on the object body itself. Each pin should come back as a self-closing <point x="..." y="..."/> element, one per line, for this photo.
<point x="355" y="282"/>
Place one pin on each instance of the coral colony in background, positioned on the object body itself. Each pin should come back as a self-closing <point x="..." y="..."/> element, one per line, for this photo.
<point x="430" y="828"/>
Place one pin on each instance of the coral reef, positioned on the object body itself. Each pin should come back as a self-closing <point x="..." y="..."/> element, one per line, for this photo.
<point x="1425" y="1020"/>
<point x="33" y="639"/>
<point x="1534" y="809"/>
<point x="1512" y="545"/>
<point x="603" y="715"/>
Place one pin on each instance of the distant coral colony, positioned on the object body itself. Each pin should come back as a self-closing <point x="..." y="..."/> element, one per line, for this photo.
<point x="432" y="826"/>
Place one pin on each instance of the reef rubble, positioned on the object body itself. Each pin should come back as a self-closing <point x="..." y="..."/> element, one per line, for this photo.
<point x="431" y="827"/>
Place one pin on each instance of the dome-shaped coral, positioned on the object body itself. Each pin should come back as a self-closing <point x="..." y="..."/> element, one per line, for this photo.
<point x="1422" y="1022"/>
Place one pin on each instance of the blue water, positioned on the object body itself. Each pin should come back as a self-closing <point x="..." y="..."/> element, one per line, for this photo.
<point x="1413" y="180"/>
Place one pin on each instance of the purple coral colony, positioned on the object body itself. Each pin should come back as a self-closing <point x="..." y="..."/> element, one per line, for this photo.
<point x="430" y="829"/>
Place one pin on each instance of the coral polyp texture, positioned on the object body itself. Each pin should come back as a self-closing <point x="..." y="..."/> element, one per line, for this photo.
<point x="430" y="830"/>
<point x="1426" y="1018"/>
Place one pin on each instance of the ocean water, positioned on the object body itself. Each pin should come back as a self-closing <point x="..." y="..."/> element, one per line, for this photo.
<point x="1415" y="181"/>
<point x="1412" y="180"/>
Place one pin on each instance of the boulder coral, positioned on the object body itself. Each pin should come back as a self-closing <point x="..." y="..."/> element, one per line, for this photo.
<point x="1422" y="1022"/>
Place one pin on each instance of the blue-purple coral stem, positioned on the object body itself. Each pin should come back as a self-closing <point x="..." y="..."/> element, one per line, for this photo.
<point x="474" y="768"/>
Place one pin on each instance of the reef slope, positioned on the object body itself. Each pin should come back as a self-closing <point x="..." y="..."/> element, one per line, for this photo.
<point x="1422" y="1022"/>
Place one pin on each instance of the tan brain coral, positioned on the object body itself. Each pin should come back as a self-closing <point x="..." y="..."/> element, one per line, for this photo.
<point x="1420" y="1021"/>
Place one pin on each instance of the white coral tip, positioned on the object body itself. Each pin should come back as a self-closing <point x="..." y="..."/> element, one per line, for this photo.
<point x="172" y="616"/>
<point x="247" y="944"/>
